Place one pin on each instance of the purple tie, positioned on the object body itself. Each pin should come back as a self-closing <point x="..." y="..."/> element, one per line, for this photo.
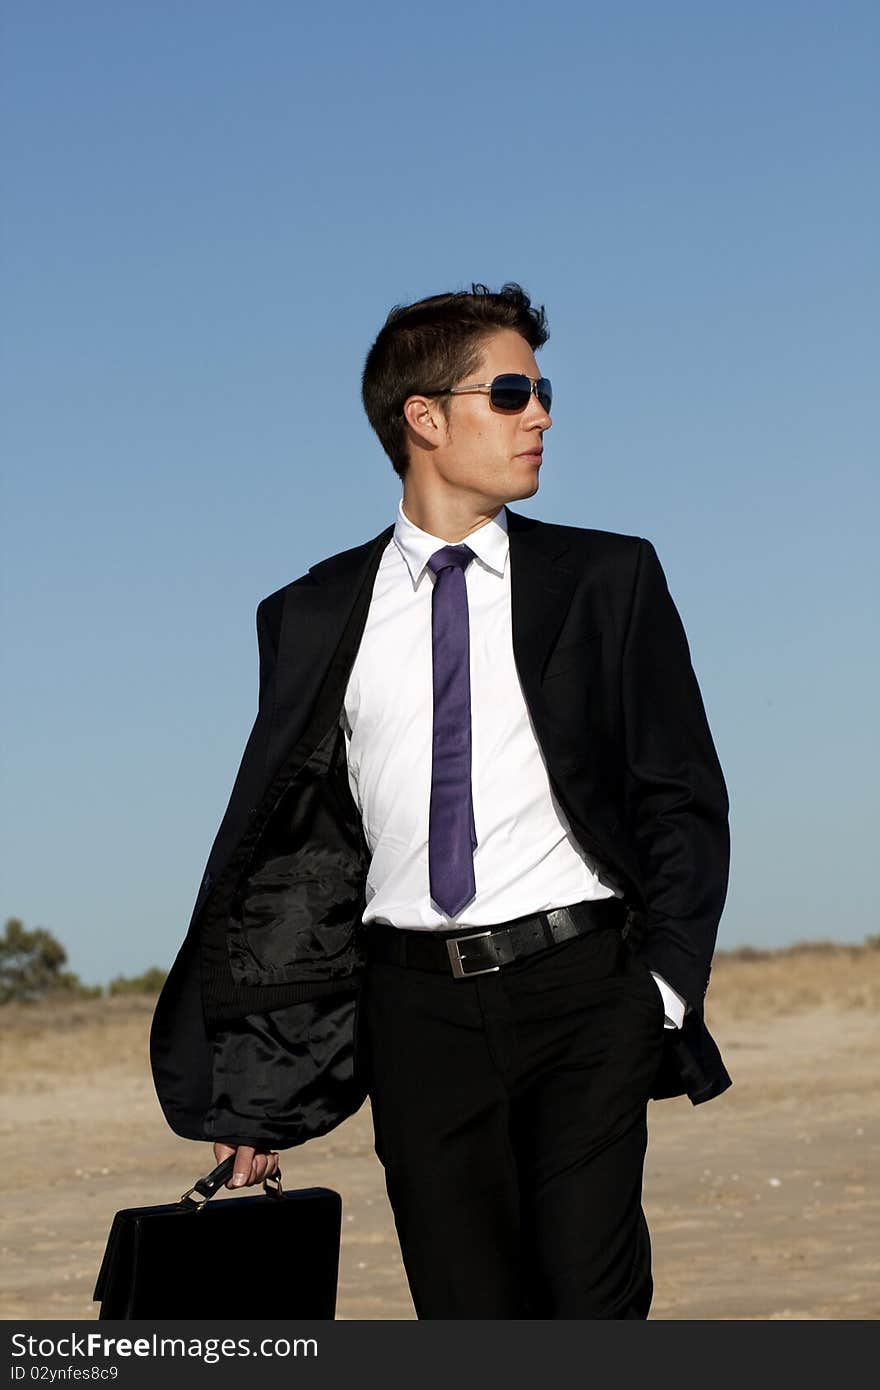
<point x="452" y="836"/>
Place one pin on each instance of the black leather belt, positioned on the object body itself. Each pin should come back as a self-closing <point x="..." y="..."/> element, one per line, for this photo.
<point x="476" y="952"/>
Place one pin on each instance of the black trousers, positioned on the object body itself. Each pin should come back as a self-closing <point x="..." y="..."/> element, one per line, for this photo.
<point x="509" y="1114"/>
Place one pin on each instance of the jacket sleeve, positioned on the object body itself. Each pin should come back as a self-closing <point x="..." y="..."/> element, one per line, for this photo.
<point x="676" y="796"/>
<point x="180" y="1047"/>
<point x="252" y="768"/>
<point x="268" y="652"/>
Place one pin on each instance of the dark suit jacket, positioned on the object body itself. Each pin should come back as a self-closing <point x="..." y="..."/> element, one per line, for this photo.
<point x="254" y="1037"/>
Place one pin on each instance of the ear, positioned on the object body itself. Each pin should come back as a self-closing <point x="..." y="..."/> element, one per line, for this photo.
<point x="426" y="419"/>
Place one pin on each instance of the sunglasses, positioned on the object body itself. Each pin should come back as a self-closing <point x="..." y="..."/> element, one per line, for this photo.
<point x="510" y="391"/>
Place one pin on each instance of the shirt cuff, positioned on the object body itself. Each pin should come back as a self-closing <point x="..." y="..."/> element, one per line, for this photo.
<point x="673" y="1004"/>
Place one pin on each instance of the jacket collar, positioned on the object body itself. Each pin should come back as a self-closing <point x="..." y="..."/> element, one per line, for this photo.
<point x="318" y="608"/>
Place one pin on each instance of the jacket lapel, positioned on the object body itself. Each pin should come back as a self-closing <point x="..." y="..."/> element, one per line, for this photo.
<point x="541" y="588"/>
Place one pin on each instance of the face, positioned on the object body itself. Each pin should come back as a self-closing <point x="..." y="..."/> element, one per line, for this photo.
<point x="492" y="455"/>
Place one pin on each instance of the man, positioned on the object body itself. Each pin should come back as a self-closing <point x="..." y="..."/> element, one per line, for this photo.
<point x="474" y="859"/>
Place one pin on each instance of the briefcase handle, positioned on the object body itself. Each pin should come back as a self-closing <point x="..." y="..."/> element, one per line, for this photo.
<point x="213" y="1181"/>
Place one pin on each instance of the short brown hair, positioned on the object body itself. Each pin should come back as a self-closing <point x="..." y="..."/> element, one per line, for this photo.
<point x="433" y="344"/>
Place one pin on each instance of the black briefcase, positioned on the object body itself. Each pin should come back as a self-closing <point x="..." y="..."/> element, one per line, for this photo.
<point x="273" y="1255"/>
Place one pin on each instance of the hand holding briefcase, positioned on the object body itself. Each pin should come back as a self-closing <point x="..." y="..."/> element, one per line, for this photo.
<point x="274" y="1255"/>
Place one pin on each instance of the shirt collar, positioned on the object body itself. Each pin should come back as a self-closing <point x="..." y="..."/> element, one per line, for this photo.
<point x="490" y="543"/>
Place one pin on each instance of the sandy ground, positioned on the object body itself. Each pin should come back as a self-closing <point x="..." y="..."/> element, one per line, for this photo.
<point x="763" y="1203"/>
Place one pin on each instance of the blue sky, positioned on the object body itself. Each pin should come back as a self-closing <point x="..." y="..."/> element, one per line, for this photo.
<point x="208" y="211"/>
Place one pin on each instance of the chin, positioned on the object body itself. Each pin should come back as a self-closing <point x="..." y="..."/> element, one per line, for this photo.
<point x="526" y="487"/>
<point x="531" y="487"/>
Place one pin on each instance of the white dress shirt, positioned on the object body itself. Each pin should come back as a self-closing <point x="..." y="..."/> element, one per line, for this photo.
<point x="527" y="859"/>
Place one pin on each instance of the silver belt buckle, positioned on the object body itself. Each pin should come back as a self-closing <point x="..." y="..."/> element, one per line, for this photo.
<point x="452" y="948"/>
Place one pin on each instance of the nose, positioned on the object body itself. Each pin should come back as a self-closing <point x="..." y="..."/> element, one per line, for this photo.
<point x="536" y="416"/>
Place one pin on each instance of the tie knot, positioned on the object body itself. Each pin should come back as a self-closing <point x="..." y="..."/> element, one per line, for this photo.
<point x="451" y="557"/>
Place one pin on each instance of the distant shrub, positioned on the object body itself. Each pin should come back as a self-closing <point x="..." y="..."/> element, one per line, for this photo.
<point x="74" y="985"/>
<point x="31" y="966"/>
<point x="150" y="982"/>
<point x="743" y="953"/>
